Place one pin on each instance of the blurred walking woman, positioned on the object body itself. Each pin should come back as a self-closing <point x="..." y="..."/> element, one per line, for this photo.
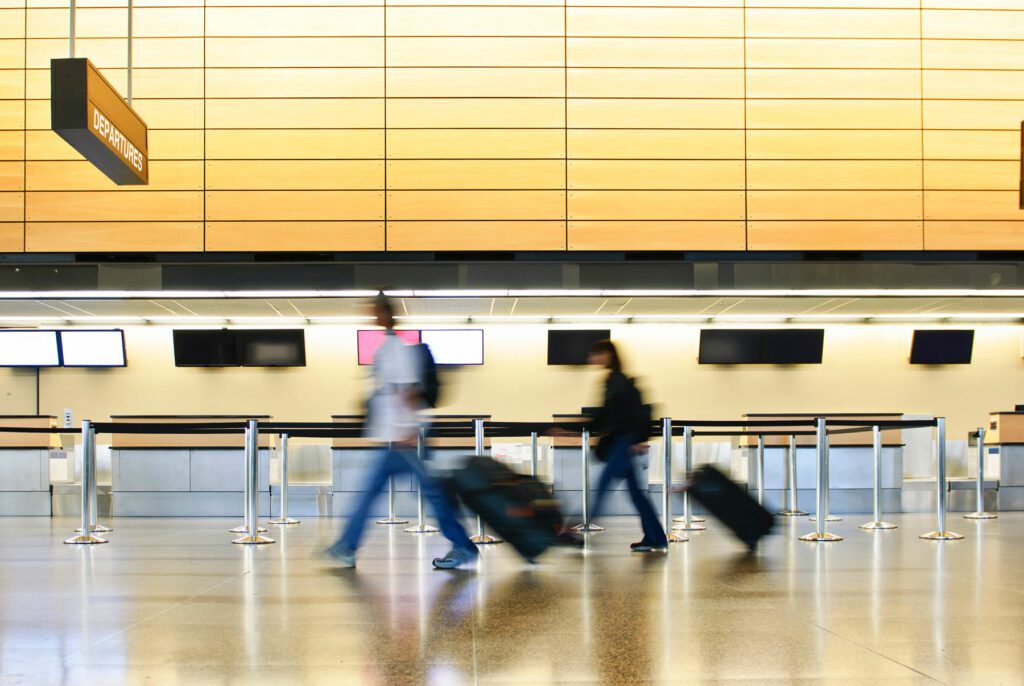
<point x="623" y="422"/>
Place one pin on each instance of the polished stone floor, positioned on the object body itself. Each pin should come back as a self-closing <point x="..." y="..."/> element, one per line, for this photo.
<point x="173" y="602"/>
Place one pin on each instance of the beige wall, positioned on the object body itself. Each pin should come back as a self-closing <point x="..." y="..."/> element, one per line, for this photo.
<point x="865" y="369"/>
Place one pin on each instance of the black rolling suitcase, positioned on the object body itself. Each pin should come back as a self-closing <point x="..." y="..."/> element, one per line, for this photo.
<point x="519" y="508"/>
<point x="731" y="504"/>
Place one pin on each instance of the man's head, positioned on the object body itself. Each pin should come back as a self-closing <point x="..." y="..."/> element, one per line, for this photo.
<point x="383" y="311"/>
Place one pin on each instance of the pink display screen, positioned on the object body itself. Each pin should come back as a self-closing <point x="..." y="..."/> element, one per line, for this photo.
<point x="368" y="340"/>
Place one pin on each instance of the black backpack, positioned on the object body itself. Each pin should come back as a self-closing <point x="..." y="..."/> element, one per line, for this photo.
<point x="430" y="384"/>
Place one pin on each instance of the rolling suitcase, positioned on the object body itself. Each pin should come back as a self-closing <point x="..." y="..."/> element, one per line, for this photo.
<point x="519" y="508"/>
<point x="731" y="504"/>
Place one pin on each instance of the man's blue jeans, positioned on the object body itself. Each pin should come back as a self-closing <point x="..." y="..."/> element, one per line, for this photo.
<point x="395" y="461"/>
<point x="620" y="465"/>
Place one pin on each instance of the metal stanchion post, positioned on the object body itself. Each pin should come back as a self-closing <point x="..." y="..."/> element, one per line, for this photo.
<point x="821" y="444"/>
<point x="421" y="526"/>
<point x="282" y="518"/>
<point x="689" y="522"/>
<point x="94" y="526"/>
<point x="88" y="479"/>
<point x="392" y="517"/>
<point x="829" y="517"/>
<point x="586" y="526"/>
<point x="666" y="491"/>
<point x="979" y="494"/>
<point x="791" y="509"/>
<point x="252" y="473"/>
<point x="533" y="454"/>
<point x="760" y="470"/>
<point x="877" y="523"/>
<point x="482" y="537"/>
<point x="941" y="534"/>
<point x="244" y="528"/>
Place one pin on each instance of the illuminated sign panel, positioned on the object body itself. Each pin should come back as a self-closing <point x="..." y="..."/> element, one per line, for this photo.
<point x="87" y="112"/>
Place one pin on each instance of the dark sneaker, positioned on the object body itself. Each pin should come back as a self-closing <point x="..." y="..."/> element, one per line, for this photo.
<point x="645" y="547"/>
<point x="343" y="557"/>
<point x="453" y="559"/>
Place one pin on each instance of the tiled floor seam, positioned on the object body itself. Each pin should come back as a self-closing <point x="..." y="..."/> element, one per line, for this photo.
<point x="881" y="655"/>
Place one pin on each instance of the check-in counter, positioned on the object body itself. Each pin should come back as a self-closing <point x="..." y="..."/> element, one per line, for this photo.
<point x="1005" y="432"/>
<point x="851" y="463"/>
<point x="187" y="474"/>
<point x="352" y="459"/>
<point x="25" y="465"/>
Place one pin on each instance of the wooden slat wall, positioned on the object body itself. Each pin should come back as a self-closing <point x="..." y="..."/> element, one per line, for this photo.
<point x="533" y="125"/>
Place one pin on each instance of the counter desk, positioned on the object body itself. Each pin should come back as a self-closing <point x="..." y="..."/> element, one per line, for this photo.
<point x="25" y="465"/>
<point x="184" y="475"/>
<point x="851" y="464"/>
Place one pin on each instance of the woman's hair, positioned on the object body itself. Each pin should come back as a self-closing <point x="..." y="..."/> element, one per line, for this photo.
<point x="606" y="346"/>
<point x="384" y="302"/>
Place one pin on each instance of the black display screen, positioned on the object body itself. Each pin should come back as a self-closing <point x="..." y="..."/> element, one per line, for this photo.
<point x="271" y="347"/>
<point x="571" y="346"/>
<point x="761" y="346"/>
<point x="729" y="346"/>
<point x="942" y="346"/>
<point x="205" y="348"/>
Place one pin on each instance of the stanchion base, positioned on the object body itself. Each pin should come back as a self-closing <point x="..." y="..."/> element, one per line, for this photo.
<point x="287" y="521"/>
<point x="878" y="525"/>
<point x="425" y="529"/>
<point x="587" y="528"/>
<point x="792" y="513"/>
<point x="676" y="538"/>
<point x="692" y="519"/>
<point x="253" y="540"/>
<point x="828" y="518"/>
<point x="820" y="538"/>
<point x="980" y="515"/>
<point x="486" y="539"/>
<point x="244" y="530"/>
<point x="96" y="529"/>
<point x="86" y="539"/>
<point x="692" y="526"/>
<point x="941" y="536"/>
<point x="392" y="520"/>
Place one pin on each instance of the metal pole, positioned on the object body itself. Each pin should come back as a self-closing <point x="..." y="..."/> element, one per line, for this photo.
<point x="282" y="517"/>
<point x="94" y="526"/>
<point x="829" y="517"/>
<point x="586" y="526"/>
<point x="689" y="522"/>
<point x="247" y="487"/>
<point x="791" y="509"/>
<point x="392" y="517"/>
<point x="252" y="473"/>
<point x="666" y="491"/>
<point x="979" y="493"/>
<point x="481" y="536"/>
<point x="71" y="31"/>
<point x="877" y="523"/>
<point x="421" y="526"/>
<point x="533" y="454"/>
<point x="88" y="477"/>
<point x="128" y="91"/>
<point x="821" y="445"/>
<point x="760" y="470"/>
<point x="941" y="534"/>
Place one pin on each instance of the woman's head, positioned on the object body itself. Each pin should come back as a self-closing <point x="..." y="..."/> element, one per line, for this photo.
<point x="383" y="311"/>
<point x="605" y="354"/>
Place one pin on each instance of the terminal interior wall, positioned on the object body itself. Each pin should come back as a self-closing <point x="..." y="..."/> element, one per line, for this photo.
<point x="865" y="369"/>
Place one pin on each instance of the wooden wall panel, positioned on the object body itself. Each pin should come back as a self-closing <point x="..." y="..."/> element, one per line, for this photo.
<point x="540" y="125"/>
<point x="130" y="236"/>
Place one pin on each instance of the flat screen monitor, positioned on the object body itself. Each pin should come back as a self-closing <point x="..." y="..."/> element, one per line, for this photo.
<point x="23" y="348"/>
<point x="942" y="346"/>
<point x="792" y="346"/>
<point x="205" y="348"/>
<point x="455" y="346"/>
<point x="729" y="346"/>
<point x="368" y="340"/>
<point x="271" y="347"/>
<point x="93" y="348"/>
<point x="571" y="346"/>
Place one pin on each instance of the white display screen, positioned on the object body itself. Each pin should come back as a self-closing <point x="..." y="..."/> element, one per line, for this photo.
<point x="28" y="349"/>
<point x="455" y="346"/>
<point x="92" y="348"/>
